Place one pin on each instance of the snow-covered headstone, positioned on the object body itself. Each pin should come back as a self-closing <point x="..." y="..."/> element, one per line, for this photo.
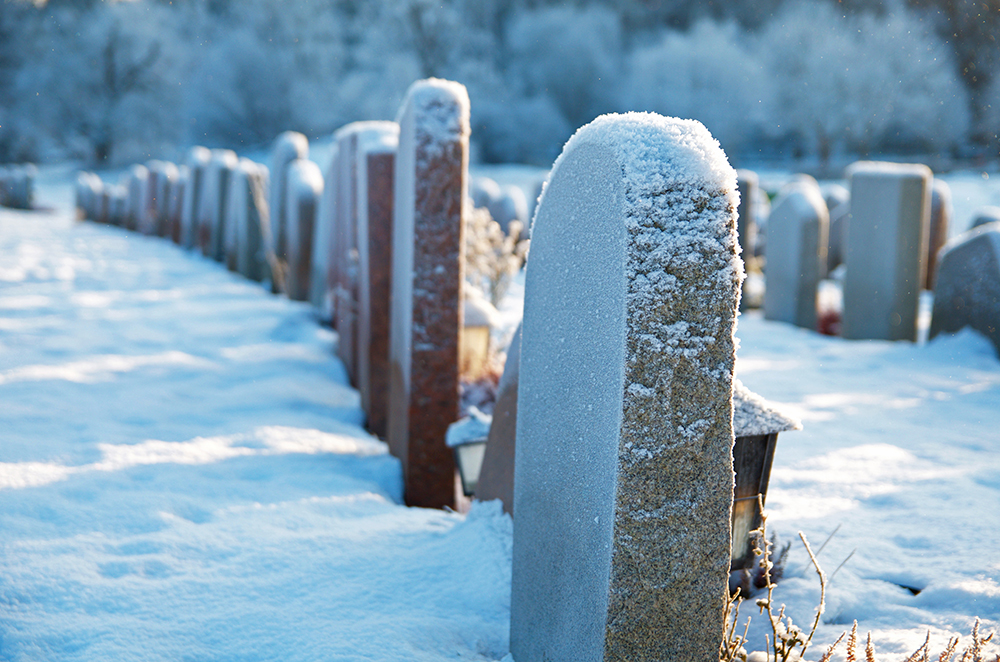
<point x="344" y="251"/>
<point x="288" y="146"/>
<point x="321" y="278"/>
<point x="624" y="470"/>
<point x="967" y="288"/>
<point x="305" y="186"/>
<point x="197" y="163"/>
<point x="430" y="183"/>
<point x="796" y="254"/>
<point x="244" y="247"/>
<point x="941" y="212"/>
<point x="376" y="161"/>
<point x="886" y="250"/>
<point x="175" y="206"/>
<point x="138" y="184"/>
<point x="496" y="477"/>
<point x="212" y="204"/>
<point x="162" y="176"/>
<point x="984" y="215"/>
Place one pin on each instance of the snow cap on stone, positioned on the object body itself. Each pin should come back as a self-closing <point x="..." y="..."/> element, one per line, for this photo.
<point x="441" y="113"/>
<point x="753" y="415"/>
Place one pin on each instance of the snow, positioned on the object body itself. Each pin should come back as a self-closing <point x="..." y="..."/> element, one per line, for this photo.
<point x="753" y="415"/>
<point x="183" y="475"/>
<point x="440" y="112"/>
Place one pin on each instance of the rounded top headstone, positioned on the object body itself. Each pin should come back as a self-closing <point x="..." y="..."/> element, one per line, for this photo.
<point x="440" y="113"/>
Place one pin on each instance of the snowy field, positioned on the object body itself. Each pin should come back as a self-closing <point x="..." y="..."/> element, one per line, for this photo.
<point x="183" y="475"/>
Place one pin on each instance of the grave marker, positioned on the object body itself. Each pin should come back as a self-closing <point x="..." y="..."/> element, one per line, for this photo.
<point x="886" y="250"/>
<point x="941" y="212"/>
<point x="289" y="146"/>
<point x="212" y="203"/>
<point x="321" y="279"/>
<point x="138" y="178"/>
<point x="305" y="186"/>
<point x="796" y="254"/>
<point x="197" y="163"/>
<point x="623" y="472"/>
<point x="246" y="239"/>
<point x="430" y="184"/>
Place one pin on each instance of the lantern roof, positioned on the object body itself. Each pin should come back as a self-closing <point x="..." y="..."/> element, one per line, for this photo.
<point x="753" y="415"/>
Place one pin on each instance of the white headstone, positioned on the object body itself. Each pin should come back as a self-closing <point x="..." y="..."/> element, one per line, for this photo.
<point x="623" y="474"/>
<point x="212" y="207"/>
<point x="289" y="146"/>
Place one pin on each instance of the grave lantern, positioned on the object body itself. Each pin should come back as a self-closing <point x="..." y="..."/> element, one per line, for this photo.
<point x="756" y="425"/>
<point x="467" y="438"/>
<point x="478" y="322"/>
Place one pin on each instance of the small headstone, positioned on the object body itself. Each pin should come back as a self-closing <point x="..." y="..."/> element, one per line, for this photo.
<point x="496" y="478"/>
<point x="376" y="161"/>
<point x="197" y="163"/>
<point x="967" y="289"/>
<point x="886" y="250"/>
<point x="288" y="146"/>
<point x="305" y="186"/>
<point x="430" y="184"/>
<point x="212" y="207"/>
<point x="941" y="212"/>
<point x="624" y="471"/>
<point x="796" y="254"/>
<point x="835" y="195"/>
<point x="984" y="215"/>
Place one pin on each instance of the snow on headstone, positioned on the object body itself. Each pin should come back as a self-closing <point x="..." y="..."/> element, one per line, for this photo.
<point x="430" y="183"/>
<point x="344" y="240"/>
<point x="496" y="477"/>
<point x="197" y="163"/>
<point x="941" y="212"/>
<point x="967" y="288"/>
<point x="212" y="204"/>
<point x="138" y="183"/>
<point x="796" y="254"/>
<point x="624" y="470"/>
<point x="984" y="215"/>
<point x="376" y="157"/>
<point x="305" y="186"/>
<point x="886" y="250"/>
<point x="288" y="146"/>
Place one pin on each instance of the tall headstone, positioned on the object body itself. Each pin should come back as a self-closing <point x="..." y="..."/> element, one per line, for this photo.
<point x="967" y="289"/>
<point x="624" y="471"/>
<point x="376" y="160"/>
<point x="886" y="251"/>
<point x="941" y="213"/>
<point x="430" y="184"/>
<point x="288" y="146"/>
<point x="305" y="186"/>
<point x="796" y="254"/>
<point x="197" y="163"/>
<point x="345" y="238"/>
<point x="212" y="203"/>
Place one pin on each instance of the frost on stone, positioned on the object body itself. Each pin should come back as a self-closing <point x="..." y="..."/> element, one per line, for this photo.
<point x="441" y="115"/>
<point x="753" y="415"/>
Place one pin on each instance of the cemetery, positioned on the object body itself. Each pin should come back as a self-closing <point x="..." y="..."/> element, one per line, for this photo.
<point x="362" y="395"/>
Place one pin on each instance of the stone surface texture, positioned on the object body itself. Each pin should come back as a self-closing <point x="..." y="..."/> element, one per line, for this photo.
<point x="623" y="472"/>
<point x="430" y="185"/>
<point x="886" y="250"/>
<point x="797" y="232"/>
<point x="305" y="186"/>
<point x="376" y="164"/>
<point x="967" y="290"/>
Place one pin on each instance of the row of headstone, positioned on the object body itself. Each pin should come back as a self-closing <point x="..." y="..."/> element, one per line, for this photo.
<point x="17" y="184"/>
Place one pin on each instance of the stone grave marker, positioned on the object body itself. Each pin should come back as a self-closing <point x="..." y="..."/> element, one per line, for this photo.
<point x="175" y="206"/>
<point x="166" y="181"/>
<point x="941" y="213"/>
<point x="886" y="250"/>
<point x="138" y="176"/>
<point x="796" y="254"/>
<point x="197" y="163"/>
<point x="376" y="158"/>
<point x="496" y="478"/>
<point x="624" y="469"/>
<point x="430" y="183"/>
<point x="984" y="215"/>
<point x="305" y="186"/>
<point x="321" y="279"/>
<point x="212" y="207"/>
<point x="247" y="188"/>
<point x="967" y="288"/>
<point x="839" y="218"/>
<point x="288" y="146"/>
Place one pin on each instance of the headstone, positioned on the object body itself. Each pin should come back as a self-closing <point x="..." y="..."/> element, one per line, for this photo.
<point x="886" y="250"/>
<point x="138" y="185"/>
<point x="496" y="478"/>
<point x="117" y="205"/>
<point x="288" y="146"/>
<point x="305" y="186"/>
<point x="430" y="184"/>
<point x="147" y="220"/>
<point x="166" y="181"/>
<point x="175" y="207"/>
<point x="88" y="188"/>
<point x="321" y="280"/>
<point x="746" y="222"/>
<point x="484" y="192"/>
<point x="839" y="218"/>
<point x="197" y="163"/>
<point x="624" y="472"/>
<point x="344" y="251"/>
<point x="212" y="203"/>
<point x="984" y="215"/>
<point x="967" y="289"/>
<point x="796" y="254"/>
<point x="247" y="190"/>
<point x="835" y="195"/>
<point x="376" y="161"/>
<point x="941" y="213"/>
<point x="510" y="206"/>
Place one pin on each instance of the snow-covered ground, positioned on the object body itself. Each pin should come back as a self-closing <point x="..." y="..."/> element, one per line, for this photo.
<point x="183" y="475"/>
